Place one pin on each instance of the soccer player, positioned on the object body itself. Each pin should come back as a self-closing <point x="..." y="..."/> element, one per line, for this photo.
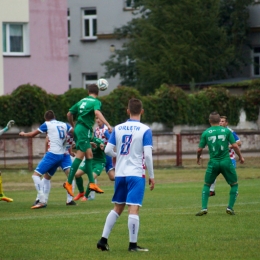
<point x="57" y="132"/>
<point x="98" y="164"/>
<point x="2" y="195"/>
<point x="218" y="138"/>
<point x="133" y="142"/>
<point x="224" y="122"/>
<point x="85" y="111"/>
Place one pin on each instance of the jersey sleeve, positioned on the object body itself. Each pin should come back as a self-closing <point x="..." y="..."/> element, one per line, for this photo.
<point x="107" y="134"/>
<point x="43" y="128"/>
<point x="112" y="138"/>
<point x="231" y="137"/>
<point x="97" y="105"/>
<point x="236" y="136"/>
<point x="68" y="127"/>
<point x="74" y="109"/>
<point x="203" y="140"/>
<point x="148" y="138"/>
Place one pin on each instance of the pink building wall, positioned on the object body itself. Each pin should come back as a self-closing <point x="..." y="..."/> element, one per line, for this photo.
<point x="47" y="65"/>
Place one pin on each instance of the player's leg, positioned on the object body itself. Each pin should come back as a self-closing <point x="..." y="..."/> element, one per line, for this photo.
<point x="2" y="195"/>
<point x="79" y="182"/>
<point x="120" y="195"/>
<point x="134" y="201"/>
<point x="230" y="175"/>
<point x="212" y="188"/>
<point x="211" y="174"/>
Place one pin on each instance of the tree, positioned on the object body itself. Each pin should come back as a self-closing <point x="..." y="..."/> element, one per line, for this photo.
<point x="175" y="41"/>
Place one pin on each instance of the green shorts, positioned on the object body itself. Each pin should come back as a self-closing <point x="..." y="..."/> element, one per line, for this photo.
<point x="225" y="167"/>
<point x="97" y="167"/>
<point x="82" y="137"/>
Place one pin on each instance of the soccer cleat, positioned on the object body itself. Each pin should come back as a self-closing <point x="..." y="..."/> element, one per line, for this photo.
<point x="39" y="206"/>
<point x="138" y="249"/>
<point x="80" y="195"/>
<point x="202" y="212"/>
<point x="36" y="202"/>
<point x="102" y="246"/>
<point x="4" y="198"/>
<point x="71" y="203"/>
<point x="230" y="211"/>
<point x="84" y="199"/>
<point x="94" y="187"/>
<point x="68" y="187"/>
<point x="212" y="193"/>
<point x="90" y="198"/>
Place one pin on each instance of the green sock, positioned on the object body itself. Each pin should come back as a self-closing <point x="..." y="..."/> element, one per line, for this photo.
<point x="87" y="191"/>
<point x="205" y="196"/>
<point x="73" y="169"/>
<point x="233" y="195"/>
<point x="88" y="170"/>
<point x="79" y="182"/>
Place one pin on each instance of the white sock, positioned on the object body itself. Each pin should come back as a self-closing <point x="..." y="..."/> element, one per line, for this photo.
<point x="110" y="222"/>
<point x="212" y="187"/>
<point x="46" y="188"/>
<point x="39" y="187"/>
<point x="133" y="227"/>
<point x="70" y="198"/>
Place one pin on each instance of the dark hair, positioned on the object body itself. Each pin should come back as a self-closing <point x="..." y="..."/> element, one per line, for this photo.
<point x="93" y="89"/>
<point x="49" y="115"/>
<point x="214" y="117"/>
<point x="135" y="106"/>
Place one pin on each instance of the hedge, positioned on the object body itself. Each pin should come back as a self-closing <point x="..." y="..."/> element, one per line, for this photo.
<point x="169" y="105"/>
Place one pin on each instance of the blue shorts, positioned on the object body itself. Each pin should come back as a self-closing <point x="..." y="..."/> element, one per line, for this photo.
<point x="129" y="190"/>
<point x="49" y="163"/>
<point x="66" y="162"/>
<point x="109" y="164"/>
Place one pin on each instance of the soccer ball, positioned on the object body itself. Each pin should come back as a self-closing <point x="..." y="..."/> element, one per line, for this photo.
<point x="102" y="84"/>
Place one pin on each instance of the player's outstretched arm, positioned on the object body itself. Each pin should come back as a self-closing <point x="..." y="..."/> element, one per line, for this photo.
<point x="8" y="126"/>
<point x="30" y="134"/>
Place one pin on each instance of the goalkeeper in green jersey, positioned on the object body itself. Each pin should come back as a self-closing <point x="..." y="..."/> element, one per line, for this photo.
<point x="2" y="196"/>
<point x="218" y="139"/>
<point x="98" y="164"/>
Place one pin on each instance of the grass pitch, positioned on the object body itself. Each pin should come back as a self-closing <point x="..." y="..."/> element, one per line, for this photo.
<point x="168" y="225"/>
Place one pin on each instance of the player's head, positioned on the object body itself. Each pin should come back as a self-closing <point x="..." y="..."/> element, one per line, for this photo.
<point x="223" y="121"/>
<point x="49" y="115"/>
<point x="135" y="107"/>
<point x="214" y="118"/>
<point x="93" y="89"/>
<point x="99" y="122"/>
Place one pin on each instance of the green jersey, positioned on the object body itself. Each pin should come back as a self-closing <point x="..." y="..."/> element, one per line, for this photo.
<point x="84" y="110"/>
<point x="98" y="154"/>
<point x="218" y="139"/>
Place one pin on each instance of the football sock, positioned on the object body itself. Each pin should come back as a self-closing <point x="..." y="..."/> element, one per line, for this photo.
<point x="213" y="185"/>
<point x="205" y="196"/>
<point x="133" y="227"/>
<point x="39" y="187"/>
<point x="87" y="191"/>
<point x="73" y="169"/>
<point x="233" y="195"/>
<point x="79" y="182"/>
<point x="1" y="188"/>
<point x="46" y="188"/>
<point x="87" y="168"/>
<point x="110" y="222"/>
<point x="70" y="198"/>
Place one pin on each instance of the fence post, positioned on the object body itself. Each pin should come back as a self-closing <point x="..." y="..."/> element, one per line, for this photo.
<point x="30" y="154"/>
<point x="178" y="150"/>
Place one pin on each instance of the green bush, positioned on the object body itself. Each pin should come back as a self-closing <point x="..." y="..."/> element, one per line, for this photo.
<point x="6" y="110"/>
<point x="29" y="103"/>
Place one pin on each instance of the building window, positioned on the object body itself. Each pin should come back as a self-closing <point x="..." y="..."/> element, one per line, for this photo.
<point x="129" y="4"/>
<point x="89" y="23"/>
<point x="256" y="62"/>
<point x="68" y="21"/>
<point x="15" y="39"/>
<point x="69" y="81"/>
<point x="89" y="78"/>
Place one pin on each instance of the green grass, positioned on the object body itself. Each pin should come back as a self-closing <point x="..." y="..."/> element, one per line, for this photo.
<point x="168" y="225"/>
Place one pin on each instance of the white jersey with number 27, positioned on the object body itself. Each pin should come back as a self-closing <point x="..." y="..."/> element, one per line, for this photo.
<point x="130" y="138"/>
